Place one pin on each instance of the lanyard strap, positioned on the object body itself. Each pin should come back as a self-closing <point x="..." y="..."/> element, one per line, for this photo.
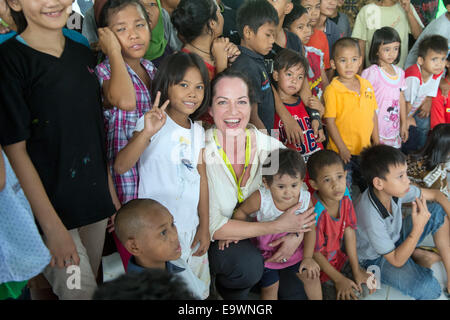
<point x="228" y="163"/>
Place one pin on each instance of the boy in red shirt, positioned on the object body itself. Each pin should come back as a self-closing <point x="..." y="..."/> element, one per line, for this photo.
<point x="289" y="74"/>
<point x="335" y="229"/>
<point x="440" y="105"/>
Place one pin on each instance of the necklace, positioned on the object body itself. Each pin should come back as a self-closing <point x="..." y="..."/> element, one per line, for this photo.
<point x="205" y="52"/>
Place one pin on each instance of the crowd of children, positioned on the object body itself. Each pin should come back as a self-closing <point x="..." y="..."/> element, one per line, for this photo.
<point x="106" y="138"/>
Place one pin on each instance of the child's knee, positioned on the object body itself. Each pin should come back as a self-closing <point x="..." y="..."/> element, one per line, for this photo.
<point x="427" y="289"/>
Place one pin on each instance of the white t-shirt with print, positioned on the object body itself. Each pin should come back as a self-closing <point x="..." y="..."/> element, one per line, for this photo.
<point x="168" y="171"/>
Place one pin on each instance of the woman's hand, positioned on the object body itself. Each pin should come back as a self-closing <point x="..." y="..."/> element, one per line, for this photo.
<point x="292" y="222"/>
<point x="288" y="244"/>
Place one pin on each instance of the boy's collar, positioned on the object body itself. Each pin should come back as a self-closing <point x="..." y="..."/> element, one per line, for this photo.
<point x="250" y="52"/>
<point x="384" y="213"/>
<point x="134" y="267"/>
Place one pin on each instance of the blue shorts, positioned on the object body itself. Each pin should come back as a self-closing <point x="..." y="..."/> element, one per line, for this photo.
<point x="270" y="276"/>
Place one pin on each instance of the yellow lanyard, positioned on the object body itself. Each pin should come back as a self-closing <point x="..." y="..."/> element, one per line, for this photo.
<point x="228" y="163"/>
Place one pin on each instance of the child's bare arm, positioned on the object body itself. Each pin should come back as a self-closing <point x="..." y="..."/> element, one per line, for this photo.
<point x="293" y="130"/>
<point x="254" y="118"/>
<point x="202" y="234"/>
<point x="437" y="196"/>
<point x="425" y="108"/>
<point x="249" y="206"/>
<point x="362" y="47"/>
<point x="404" y="133"/>
<point x="119" y="90"/>
<point x="375" y="134"/>
<point x="336" y="136"/>
<point x="2" y="171"/>
<point x="130" y="154"/>
<point x="57" y="238"/>
<point x="416" y="28"/>
<point x="359" y="274"/>
<point x="325" y="80"/>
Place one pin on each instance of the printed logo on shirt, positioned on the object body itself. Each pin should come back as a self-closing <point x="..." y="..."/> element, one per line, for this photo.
<point x="265" y="85"/>
<point x="369" y="94"/>
<point x="447" y="110"/>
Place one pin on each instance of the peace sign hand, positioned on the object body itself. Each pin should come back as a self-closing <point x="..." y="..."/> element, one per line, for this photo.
<point x="156" y="117"/>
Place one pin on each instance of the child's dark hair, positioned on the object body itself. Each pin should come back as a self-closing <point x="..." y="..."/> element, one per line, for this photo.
<point x="385" y="35"/>
<point x="376" y="160"/>
<point x="321" y="159"/>
<point x="233" y="73"/>
<point x="446" y="2"/>
<point x="435" y="43"/>
<point x="172" y="71"/>
<point x="290" y="162"/>
<point x="192" y="16"/>
<point x="255" y="13"/>
<point x="296" y="12"/>
<point x="437" y="147"/>
<point x="113" y="6"/>
<point x="345" y="42"/>
<point x="287" y="58"/>
<point x="150" y="284"/>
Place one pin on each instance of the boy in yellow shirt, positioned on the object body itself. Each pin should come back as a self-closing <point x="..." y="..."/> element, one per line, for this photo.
<point x="350" y="106"/>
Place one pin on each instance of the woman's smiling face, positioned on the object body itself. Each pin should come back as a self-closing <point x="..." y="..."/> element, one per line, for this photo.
<point x="231" y="105"/>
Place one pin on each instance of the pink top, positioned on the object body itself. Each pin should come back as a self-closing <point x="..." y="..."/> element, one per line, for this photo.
<point x="387" y="93"/>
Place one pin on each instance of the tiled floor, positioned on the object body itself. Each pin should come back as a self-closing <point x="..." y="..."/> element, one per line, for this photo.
<point x="389" y="293"/>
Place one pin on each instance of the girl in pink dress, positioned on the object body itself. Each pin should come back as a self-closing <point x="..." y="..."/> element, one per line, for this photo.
<point x="388" y="81"/>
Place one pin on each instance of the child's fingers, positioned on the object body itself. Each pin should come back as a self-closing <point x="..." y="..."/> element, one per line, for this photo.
<point x="156" y="102"/>
<point x="164" y="106"/>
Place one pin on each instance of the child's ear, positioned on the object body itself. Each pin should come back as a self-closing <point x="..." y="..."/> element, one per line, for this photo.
<point x="313" y="184"/>
<point x="288" y="8"/>
<point x="247" y="32"/>
<point x="333" y="65"/>
<point x="420" y="61"/>
<point x="378" y="183"/>
<point x="275" y="75"/>
<point x="15" y="5"/>
<point x="132" y="246"/>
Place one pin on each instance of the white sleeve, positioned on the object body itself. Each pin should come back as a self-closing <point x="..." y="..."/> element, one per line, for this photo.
<point x="412" y="87"/>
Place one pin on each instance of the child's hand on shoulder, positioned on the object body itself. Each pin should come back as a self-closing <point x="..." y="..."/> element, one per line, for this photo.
<point x="310" y="267"/>
<point x="232" y="52"/>
<point x="108" y="42"/>
<point x="155" y="118"/>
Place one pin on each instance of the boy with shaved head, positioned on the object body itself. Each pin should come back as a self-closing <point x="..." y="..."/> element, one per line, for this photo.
<point x="147" y="230"/>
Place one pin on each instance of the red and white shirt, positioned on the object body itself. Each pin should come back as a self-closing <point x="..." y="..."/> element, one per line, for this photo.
<point x="417" y="90"/>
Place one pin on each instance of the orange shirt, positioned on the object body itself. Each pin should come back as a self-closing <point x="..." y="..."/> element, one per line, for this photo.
<point x="319" y="41"/>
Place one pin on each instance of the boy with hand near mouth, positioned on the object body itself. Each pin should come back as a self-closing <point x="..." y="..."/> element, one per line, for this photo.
<point x="387" y="240"/>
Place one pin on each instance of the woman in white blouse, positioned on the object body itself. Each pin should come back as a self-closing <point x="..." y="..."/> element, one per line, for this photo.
<point x="234" y="153"/>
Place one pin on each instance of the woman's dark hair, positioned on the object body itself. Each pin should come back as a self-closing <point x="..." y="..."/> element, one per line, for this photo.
<point x="19" y="19"/>
<point x="232" y="73"/>
<point x="192" y="16"/>
<point x="296" y="12"/>
<point x="385" y="35"/>
<point x="437" y="147"/>
<point x="172" y="71"/>
<point x="113" y="6"/>
<point x="290" y="162"/>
